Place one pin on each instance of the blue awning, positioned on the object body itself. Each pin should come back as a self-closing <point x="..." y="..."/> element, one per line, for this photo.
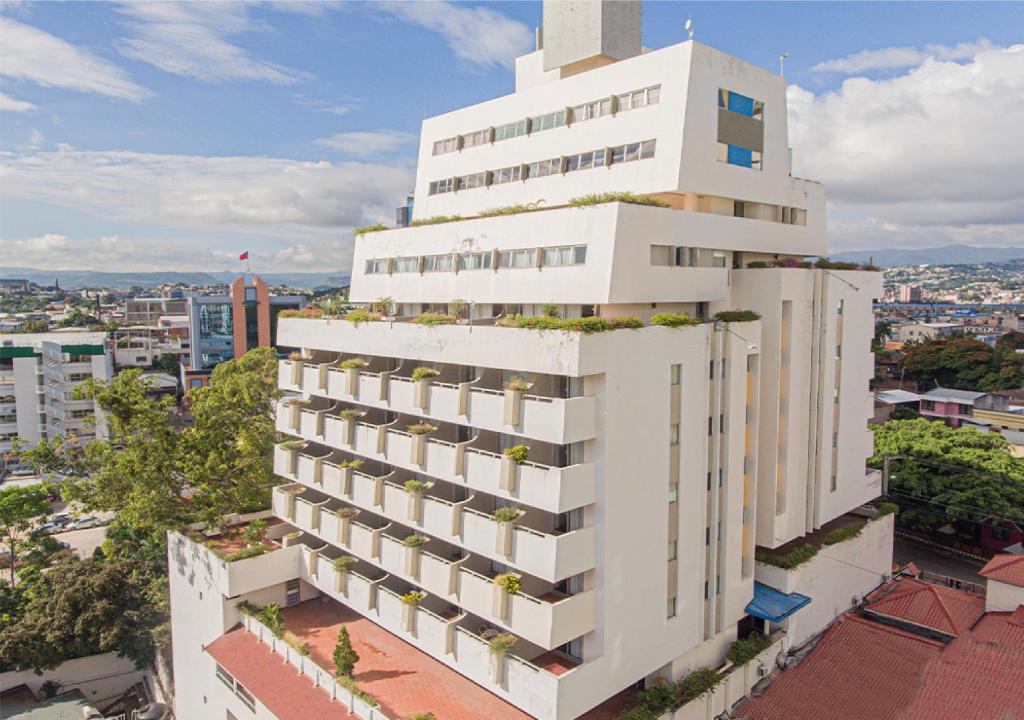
<point x="774" y="606"/>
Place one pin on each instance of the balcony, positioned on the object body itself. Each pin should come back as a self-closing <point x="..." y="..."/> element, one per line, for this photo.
<point x="533" y="687"/>
<point x="448" y="512"/>
<point x="476" y="464"/>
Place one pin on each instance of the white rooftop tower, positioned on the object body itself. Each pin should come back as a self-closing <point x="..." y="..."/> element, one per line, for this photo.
<point x="624" y="478"/>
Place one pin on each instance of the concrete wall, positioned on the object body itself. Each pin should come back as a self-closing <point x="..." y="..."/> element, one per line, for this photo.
<point x="100" y="678"/>
<point x="1003" y="596"/>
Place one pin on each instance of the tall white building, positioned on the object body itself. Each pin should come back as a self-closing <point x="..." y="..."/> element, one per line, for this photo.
<point x="38" y="375"/>
<point x="659" y="459"/>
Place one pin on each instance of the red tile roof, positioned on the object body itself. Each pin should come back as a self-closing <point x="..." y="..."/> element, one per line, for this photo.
<point x="1006" y="569"/>
<point x="948" y="611"/>
<point x="860" y="670"/>
<point x="265" y="674"/>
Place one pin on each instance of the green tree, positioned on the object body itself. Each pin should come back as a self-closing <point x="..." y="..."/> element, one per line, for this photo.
<point x="168" y="362"/>
<point x="35" y="326"/>
<point x="81" y="608"/>
<point x="19" y="507"/>
<point x="950" y="473"/>
<point x="345" y="656"/>
<point x="965" y="363"/>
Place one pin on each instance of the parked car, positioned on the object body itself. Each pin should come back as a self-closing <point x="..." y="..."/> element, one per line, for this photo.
<point x="61" y="518"/>
<point x="48" y="528"/>
<point x="83" y="523"/>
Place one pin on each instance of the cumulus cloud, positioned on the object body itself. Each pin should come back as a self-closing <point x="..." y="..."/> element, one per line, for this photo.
<point x="932" y="154"/>
<point x="190" y="40"/>
<point x="201" y="191"/>
<point x="10" y="104"/>
<point x="30" y="54"/>
<point x="364" y="144"/>
<point x="892" y="58"/>
<point x="477" y="35"/>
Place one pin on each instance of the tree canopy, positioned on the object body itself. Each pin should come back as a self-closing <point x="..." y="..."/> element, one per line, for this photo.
<point x="965" y="363"/>
<point x="950" y="473"/>
<point x="19" y="506"/>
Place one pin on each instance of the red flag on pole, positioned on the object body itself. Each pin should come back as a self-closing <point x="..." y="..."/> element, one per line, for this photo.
<point x="244" y="256"/>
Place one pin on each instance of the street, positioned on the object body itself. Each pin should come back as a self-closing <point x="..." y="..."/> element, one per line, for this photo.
<point x="83" y="542"/>
<point x="928" y="558"/>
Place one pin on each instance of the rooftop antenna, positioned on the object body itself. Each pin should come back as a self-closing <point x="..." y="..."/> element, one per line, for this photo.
<point x="782" y="63"/>
<point x="689" y="26"/>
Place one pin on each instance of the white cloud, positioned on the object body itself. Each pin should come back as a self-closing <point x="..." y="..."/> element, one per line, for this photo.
<point x="11" y="104"/>
<point x="364" y="144"/>
<point x="189" y="39"/>
<point x="892" y="58"/>
<point x="256" y="193"/>
<point x="342" y="106"/>
<point x="933" y="154"/>
<point x="478" y="35"/>
<point x="27" y="53"/>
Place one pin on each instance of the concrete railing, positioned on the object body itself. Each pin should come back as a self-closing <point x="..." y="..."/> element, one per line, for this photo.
<point x="317" y="675"/>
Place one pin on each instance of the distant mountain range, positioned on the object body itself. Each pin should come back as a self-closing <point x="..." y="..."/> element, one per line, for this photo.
<point x="946" y="255"/>
<point x="72" y="279"/>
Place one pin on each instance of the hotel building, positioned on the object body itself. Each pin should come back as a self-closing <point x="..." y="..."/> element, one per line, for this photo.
<point x="660" y="462"/>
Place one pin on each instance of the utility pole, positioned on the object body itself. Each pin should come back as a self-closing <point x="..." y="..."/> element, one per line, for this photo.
<point x="885" y="472"/>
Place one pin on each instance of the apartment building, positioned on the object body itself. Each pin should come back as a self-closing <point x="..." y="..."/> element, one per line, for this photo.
<point x="626" y="481"/>
<point x="38" y="375"/>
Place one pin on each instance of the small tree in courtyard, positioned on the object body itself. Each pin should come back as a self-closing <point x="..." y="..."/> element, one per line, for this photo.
<point x="345" y="656"/>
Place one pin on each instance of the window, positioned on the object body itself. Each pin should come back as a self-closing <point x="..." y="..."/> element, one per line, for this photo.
<point x="475" y="261"/>
<point x="639" y="98"/>
<point x="377" y="266"/>
<point x="438" y="263"/>
<point x="544" y="167"/>
<point x="225" y="677"/>
<point x="591" y="110"/>
<point x="566" y="255"/>
<point x="547" y="122"/>
<point x="405" y="265"/>
<point x="671" y="608"/>
<point x="441" y="186"/>
<point x="446" y="146"/>
<point x="736" y="155"/>
<point x="672" y="550"/>
<point x="584" y="161"/>
<point x="524" y="258"/>
<point x="740" y="104"/>
<point x="468" y="182"/>
<point x="480" y="137"/>
<point x="633" y="151"/>
<point x="673" y="492"/>
<point x="244" y="695"/>
<point x="507" y="175"/>
<point x="963" y="409"/>
<point x="676" y="372"/>
<point x="510" y="130"/>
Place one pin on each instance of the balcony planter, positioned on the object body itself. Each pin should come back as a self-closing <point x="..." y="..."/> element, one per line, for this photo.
<point x="418" y="446"/>
<point x="352" y="366"/>
<point x="349" y="418"/>
<point x="346" y="469"/>
<point x="413" y="544"/>
<point x="515" y="389"/>
<point x="342" y="566"/>
<point x="292" y="447"/>
<point x="505" y="585"/>
<point x="499" y="644"/>
<point x="410" y="604"/>
<point x="505" y="519"/>
<point x="421" y="378"/>
<point x="291" y="538"/>
<point x="312" y="561"/>
<point x="289" y="508"/>
<point x="414" y="490"/>
<point x="511" y="459"/>
<point x="294" y="406"/>
<point x="345" y="516"/>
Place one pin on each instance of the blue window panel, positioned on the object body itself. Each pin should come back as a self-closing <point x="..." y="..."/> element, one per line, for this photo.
<point x="740" y="156"/>
<point x="741" y="104"/>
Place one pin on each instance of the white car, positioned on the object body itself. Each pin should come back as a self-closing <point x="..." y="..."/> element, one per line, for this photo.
<point x="83" y="523"/>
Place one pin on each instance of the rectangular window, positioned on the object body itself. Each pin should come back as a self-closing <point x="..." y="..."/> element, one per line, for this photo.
<point x="565" y="255"/>
<point x="405" y="265"/>
<point x="480" y="137"/>
<point x="510" y="130"/>
<point x="673" y="434"/>
<point x="475" y="261"/>
<point x="592" y="110"/>
<point x="639" y="98"/>
<point x="673" y="492"/>
<point x="547" y="122"/>
<point x="740" y="104"/>
<point x="439" y="187"/>
<point x="676" y="372"/>
<point x="468" y="182"/>
<point x="377" y="266"/>
<point x="633" y="151"/>
<point x="525" y="258"/>
<point x="246" y="697"/>
<point x="225" y="677"/>
<point x="672" y="550"/>
<point x="544" y="167"/>
<point x="438" y="263"/>
<point x="671" y="608"/>
<point x="506" y="175"/>
<point x="446" y="146"/>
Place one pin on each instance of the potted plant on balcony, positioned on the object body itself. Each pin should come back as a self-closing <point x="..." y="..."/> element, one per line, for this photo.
<point x="413" y="543"/>
<point x="297" y="360"/>
<point x="459" y="309"/>
<point x="342" y="566"/>
<point x="349" y="418"/>
<point x="294" y="405"/>
<point x="415" y="488"/>
<point x="383" y="307"/>
<point x="515" y="388"/>
<point x="499" y="644"/>
<point x="346" y="467"/>
<point x="505" y="585"/>
<point x="511" y="459"/>
<point x="345" y="516"/>
<point x="292" y="447"/>
<point x="419" y="432"/>
<point x="255" y="533"/>
<point x="352" y="366"/>
<point x="410" y="601"/>
<point x="422" y="377"/>
<point x="505" y="517"/>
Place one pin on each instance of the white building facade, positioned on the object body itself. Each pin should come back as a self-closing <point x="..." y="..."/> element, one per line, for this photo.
<point x="658" y="459"/>
<point x="38" y="376"/>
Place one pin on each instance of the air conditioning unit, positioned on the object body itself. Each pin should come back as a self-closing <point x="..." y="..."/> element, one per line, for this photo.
<point x="762" y="671"/>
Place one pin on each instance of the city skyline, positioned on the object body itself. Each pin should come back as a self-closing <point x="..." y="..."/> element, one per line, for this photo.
<point x="176" y="136"/>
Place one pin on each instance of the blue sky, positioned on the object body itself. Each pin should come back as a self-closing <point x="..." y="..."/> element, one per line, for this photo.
<point x="173" y="136"/>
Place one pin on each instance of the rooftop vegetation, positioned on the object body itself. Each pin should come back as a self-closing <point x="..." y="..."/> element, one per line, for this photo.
<point x="622" y="197"/>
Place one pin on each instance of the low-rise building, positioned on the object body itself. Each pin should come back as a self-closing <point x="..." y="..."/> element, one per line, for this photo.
<point x="956" y="406"/>
<point x="917" y="332"/>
